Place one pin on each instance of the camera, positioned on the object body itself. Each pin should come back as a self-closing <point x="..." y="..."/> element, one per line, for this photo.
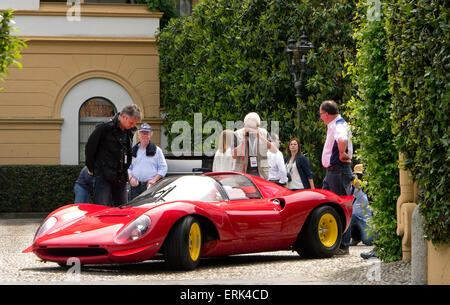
<point x="250" y="133"/>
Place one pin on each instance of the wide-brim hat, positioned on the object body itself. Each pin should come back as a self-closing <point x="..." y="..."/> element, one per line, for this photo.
<point x="358" y="169"/>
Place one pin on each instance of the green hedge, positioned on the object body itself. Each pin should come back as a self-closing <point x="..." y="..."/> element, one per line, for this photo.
<point x="372" y="130"/>
<point x="226" y="60"/>
<point x="36" y="188"/>
<point x="419" y="62"/>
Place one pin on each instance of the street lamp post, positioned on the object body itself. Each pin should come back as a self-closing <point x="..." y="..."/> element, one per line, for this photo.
<point x="295" y="56"/>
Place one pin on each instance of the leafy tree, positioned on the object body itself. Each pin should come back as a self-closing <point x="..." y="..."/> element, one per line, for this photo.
<point x="10" y="46"/>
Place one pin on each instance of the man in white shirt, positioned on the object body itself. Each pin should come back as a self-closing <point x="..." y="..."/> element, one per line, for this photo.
<point x="277" y="169"/>
<point x="148" y="164"/>
<point x="338" y="150"/>
<point x="337" y="156"/>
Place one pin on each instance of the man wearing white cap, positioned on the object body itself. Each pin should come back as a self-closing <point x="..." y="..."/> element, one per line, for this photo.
<point x="148" y="164"/>
<point x="250" y="154"/>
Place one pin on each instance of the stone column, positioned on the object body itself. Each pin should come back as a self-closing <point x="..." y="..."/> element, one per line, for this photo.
<point x="406" y="203"/>
<point x="419" y="251"/>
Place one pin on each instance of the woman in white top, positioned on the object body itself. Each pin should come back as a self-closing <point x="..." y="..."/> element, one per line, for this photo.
<point x="277" y="169"/>
<point x="223" y="159"/>
<point x="298" y="168"/>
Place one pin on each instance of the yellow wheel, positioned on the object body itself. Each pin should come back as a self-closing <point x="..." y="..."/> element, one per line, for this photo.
<point x="183" y="245"/>
<point x="195" y="241"/>
<point x="321" y="234"/>
<point x="328" y="230"/>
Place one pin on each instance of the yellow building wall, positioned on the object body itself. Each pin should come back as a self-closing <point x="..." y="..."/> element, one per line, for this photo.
<point x="29" y="141"/>
<point x="31" y="99"/>
<point x="48" y="65"/>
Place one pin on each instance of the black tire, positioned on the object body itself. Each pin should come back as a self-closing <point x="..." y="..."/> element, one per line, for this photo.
<point x="321" y="235"/>
<point x="183" y="245"/>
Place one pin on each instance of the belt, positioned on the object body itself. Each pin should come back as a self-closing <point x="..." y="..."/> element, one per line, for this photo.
<point x="140" y="183"/>
<point x="336" y="166"/>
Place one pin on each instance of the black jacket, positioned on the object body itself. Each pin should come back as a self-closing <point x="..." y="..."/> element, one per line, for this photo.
<point x="108" y="151"/>
<point x="304" y="168"/>
<point x="150" y="151"/>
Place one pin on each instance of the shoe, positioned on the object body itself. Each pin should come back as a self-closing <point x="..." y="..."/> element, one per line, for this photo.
<point x="341" y="251"/>
<point x="370" y="254"/>
<point x="354" y="242"/>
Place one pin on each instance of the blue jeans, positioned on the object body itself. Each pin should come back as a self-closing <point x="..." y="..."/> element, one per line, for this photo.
<point x="358" y="230"/>
<point x="109" y="193"/>
<point x="337" y="181"/>
<point x="345" y="242"/>
<point x="136" y="191"/>
<point x="81" y="194"/>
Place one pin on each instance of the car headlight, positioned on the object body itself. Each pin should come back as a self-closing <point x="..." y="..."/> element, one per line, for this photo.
<point x="134" y="230"/>
<point x="45" y="226"/>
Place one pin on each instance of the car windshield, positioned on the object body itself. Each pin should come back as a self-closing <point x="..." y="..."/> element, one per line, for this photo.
<point x="196" y="188"/>
<point x="238" y="186"/>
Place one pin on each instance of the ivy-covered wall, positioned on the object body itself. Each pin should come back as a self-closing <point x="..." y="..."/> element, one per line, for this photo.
<point x="370" y="115"/>
<point x="418" y="35"/>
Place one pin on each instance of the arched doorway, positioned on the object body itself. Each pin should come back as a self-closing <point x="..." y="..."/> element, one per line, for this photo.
<point x="93" y="112"/>
<point x="75" y="98"/>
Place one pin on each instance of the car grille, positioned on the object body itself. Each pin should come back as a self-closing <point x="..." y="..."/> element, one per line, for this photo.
<point x="75" y="252"/>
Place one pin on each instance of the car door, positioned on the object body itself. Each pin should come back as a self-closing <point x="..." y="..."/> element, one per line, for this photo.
<point x="249" y="213"/>
<point x="253" y="217"/>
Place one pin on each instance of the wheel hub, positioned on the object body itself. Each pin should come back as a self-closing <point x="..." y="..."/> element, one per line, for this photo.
<point x="328" y="230"/>
<point x="195" y="241"/>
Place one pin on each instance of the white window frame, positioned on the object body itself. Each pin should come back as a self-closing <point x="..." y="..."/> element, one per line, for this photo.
<point x="72" y="102"/>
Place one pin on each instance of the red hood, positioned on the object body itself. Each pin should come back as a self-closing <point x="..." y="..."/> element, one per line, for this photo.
<point x="94" y="228"/>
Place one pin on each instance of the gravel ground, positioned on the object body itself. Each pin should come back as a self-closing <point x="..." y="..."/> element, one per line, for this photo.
<point x="271" y="268"/>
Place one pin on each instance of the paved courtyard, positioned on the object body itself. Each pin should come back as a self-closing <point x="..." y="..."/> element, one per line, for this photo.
<point x="271" y="268"/>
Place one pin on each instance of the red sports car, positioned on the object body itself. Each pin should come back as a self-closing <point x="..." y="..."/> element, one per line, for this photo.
<point x="189" y="217"/>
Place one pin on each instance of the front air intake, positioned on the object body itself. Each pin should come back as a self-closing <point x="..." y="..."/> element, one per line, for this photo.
<point x="75" y="252"/>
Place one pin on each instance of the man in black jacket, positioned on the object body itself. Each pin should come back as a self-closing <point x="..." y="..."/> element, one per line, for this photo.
<point x="108" y="156"/>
